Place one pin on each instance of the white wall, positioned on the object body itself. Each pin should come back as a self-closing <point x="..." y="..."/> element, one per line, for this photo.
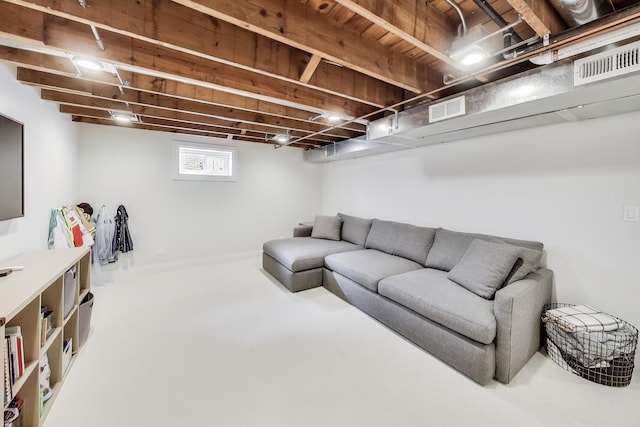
<point x="50" y="167"/>
<point x="187" y="219"/>
<point x="565" y="185"/>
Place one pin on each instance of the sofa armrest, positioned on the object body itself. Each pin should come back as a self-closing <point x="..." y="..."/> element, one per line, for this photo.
<point x="518" y="308"/>
<point x="302" y="230"/>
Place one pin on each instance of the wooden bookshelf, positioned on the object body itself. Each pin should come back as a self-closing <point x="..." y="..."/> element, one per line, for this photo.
<point x="22" y="295"/>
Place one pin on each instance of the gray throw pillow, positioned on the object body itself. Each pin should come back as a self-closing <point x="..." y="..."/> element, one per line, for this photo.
<point x="448" y="248"/>
<point x="400" y="239"/>
<point x="484" y="267"/>
<point x="326" y="227"/>
<point x="355" y="229"/>
<point x="528" y="260"/>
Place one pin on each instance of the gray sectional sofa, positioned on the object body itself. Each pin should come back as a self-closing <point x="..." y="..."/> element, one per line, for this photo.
<point x="472" y="300"/>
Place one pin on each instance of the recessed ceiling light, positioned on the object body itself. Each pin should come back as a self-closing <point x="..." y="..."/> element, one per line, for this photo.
<point x="123" y="117"/>
<point x="88" y="64"/>
<point x="470" y="55"/>
<point x="472" y="48"/>
<point x="329" y="117"/>
<point x="473" y="57"/>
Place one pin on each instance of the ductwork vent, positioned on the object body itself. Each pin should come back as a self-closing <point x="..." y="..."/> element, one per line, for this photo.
<point x="445" y="110"/>
<point x="622" y="60"/>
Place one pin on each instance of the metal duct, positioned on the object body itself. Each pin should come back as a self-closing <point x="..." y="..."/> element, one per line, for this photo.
<point x="578" y="12"/>
<point x="538" y="97"/>
<point x="351" y="149"/>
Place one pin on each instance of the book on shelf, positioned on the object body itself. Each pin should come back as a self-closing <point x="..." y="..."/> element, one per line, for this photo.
<point x="8" y="390"/>
<point x="46" y="327"/>
<point x="13" y="334"/>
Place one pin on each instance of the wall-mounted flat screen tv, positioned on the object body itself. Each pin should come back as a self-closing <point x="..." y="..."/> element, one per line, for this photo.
<point x="11" y="168"/>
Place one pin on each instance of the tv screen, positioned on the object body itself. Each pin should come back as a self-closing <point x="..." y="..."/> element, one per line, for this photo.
<point x="11" y="169"/>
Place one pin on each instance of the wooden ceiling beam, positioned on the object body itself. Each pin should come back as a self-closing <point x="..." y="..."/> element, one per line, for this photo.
<point x="146" y="83"/>
<point x="37" y="61"/>
<point x="294" y="24"/>
<point x="311" y="67"/>
<point x="170" y="129"/>
<point x="415" y="21"/>
<point x="265" y="110"/>
<point x="77" y="39"/>
<point x="539" y="15"/>
<point x="163" y="22"/>
<point x="147" y="109"/>
<point x="73" y="85"/>
<point x="177" y="121"/>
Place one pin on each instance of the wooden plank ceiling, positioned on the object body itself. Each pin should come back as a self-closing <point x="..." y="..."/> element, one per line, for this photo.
<point x="248" y="70"/>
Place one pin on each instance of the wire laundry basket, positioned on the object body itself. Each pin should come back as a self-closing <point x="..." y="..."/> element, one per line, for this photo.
<point x="603" y="357"/>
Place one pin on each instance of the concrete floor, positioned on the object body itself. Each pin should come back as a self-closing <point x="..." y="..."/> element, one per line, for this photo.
<point x="223" y="344"/>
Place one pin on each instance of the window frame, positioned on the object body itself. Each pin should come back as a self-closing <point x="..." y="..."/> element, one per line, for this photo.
<point x="212" y="148"/>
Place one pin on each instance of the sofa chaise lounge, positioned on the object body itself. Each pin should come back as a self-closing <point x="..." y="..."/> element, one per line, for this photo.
<point x="472" y="300"/>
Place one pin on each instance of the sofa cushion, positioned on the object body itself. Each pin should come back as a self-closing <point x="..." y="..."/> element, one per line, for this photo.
<point x="355" y="229"/>
<point x="305" y="253"/>
<point x="429" y="293"/>
<point x="367" y="267"/>
<point x="528" y="260"/>
<point x="405" y="240"/>
<point x="484" y="267"/>
<point x="449" y="246"/>
<point x="326" y="227"/>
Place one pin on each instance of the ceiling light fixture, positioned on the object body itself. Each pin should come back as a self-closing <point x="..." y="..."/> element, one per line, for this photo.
<point x="470" y="49"/>
<point x="333" y="118"/>
<point x="329" y="117"/>
<point x="472" y="46"/>
<point x="124" y="117"/>
<point x="88" y="64"/>
<point x="83" y="63"/>
<point x="281" y="139"/>
<point x="470" y="56"/>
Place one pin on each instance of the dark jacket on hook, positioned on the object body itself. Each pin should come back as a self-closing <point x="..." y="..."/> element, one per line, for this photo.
<point x="122" y="238"/>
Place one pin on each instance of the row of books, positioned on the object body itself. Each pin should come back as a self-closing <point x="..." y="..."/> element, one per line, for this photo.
<point x="13" y="359"/>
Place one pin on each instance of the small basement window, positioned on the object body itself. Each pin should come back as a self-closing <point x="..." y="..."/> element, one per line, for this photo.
<point x="204" y="162"/>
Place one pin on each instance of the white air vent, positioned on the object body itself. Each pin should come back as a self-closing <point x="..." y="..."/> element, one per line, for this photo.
<point x="445" y="110"/>
<point x="622" y="60"/>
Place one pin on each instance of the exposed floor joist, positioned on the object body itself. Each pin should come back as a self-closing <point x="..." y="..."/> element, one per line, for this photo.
<point x="244" y="70"/>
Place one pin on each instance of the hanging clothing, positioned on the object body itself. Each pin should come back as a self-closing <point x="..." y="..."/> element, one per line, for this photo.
<point x="81" y="235"/>
<point x="58" y="231"/>
<point x="123" y="240"/>
<point x="103" y="249"/>
<point x="74" y="226"/>
<point x="85" y="218"/>
<point x="66" y="229"/>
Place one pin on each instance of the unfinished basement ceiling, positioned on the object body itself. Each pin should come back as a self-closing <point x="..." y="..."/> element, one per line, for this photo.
<point x="249" y="71"/>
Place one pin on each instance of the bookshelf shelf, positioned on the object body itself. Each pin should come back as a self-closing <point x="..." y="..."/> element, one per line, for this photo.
<point x="25" y="299"/>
